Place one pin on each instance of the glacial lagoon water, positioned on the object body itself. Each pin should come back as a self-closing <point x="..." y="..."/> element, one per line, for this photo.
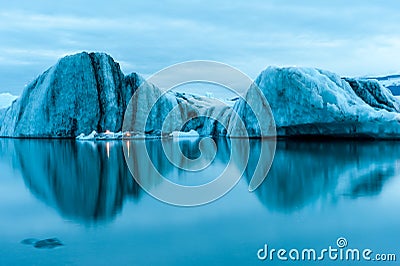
<point x="83" y="194"/>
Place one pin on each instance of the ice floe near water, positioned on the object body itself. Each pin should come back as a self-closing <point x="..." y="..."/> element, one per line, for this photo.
<point x="183" y="135"/>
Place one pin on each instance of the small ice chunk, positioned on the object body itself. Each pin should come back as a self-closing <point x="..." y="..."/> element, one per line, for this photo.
<point x="91" y="136"/>
<point x="180" y="134"/>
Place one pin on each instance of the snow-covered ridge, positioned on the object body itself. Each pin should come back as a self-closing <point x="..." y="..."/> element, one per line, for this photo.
<point x="86" y="92"/>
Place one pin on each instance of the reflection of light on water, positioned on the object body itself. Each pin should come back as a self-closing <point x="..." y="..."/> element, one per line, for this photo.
<point x="108" y="149"/>
<point x="127" y="144"/>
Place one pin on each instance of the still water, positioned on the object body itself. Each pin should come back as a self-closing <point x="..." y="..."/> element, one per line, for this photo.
<point x="83" y="194"/>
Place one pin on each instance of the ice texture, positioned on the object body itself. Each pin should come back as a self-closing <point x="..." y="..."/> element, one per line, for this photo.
<point x="81" y="93"/>
<point x="88" y="92"/>
<point x="314" y="102"/>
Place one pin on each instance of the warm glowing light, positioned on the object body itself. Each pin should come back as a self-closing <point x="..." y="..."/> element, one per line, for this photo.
<point x="108" y="149"/>
<point x="128" y="134"/>
<point x="107" y="132"/>
<point x="127" y="144"/>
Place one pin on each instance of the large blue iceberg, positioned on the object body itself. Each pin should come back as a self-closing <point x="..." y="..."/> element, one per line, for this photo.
<point x="88" y="91"/>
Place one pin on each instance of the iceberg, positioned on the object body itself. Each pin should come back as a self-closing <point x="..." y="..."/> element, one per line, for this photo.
<point x="314" y="102"/>
<point x="207" y="116"/>
<point x="155" y="113"/>
<point x="81" y="93"/>
<point x="88" y="92"/>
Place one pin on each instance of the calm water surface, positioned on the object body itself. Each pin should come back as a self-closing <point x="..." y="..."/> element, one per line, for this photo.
<point x="84" y="194"/>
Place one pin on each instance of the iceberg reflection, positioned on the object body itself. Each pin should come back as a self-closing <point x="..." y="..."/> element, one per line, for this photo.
<point x="305" y="173"/>
<point x="88" y="182"/>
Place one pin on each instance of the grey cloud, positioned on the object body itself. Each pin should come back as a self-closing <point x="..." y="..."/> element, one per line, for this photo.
<point x="348" y="37"/>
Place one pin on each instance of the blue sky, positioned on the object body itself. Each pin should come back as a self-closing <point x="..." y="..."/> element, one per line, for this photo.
<point x="350" y="38"/>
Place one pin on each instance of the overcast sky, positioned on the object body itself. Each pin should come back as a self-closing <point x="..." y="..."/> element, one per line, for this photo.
<point x="350" y="38"/>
